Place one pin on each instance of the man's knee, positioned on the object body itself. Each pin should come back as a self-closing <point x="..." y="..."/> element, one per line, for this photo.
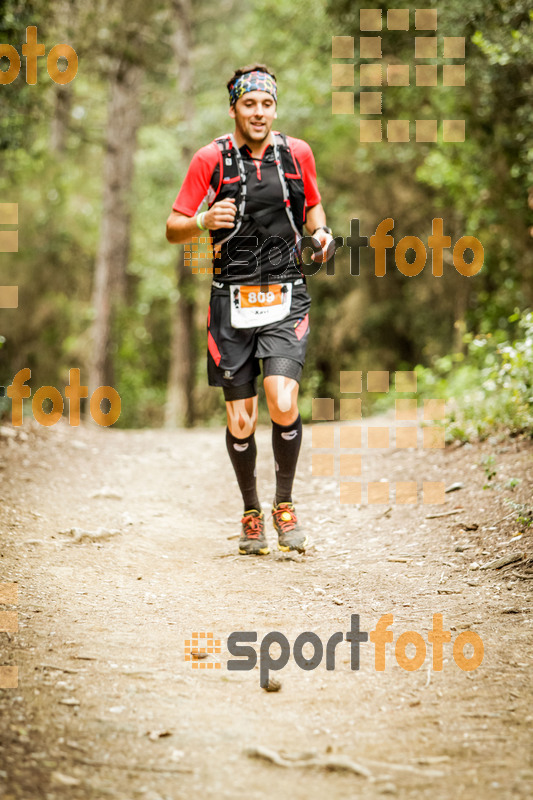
<point x="242" y="416"/>
<point x="282" y="397"/>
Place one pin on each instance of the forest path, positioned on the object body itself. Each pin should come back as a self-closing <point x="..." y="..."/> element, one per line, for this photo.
<point x="107" y="705"/>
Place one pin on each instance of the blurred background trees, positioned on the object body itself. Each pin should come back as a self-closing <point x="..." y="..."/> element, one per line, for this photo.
<point x="95" y="166"/>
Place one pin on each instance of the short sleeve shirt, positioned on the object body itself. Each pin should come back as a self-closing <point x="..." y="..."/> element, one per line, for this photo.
<point x="251" y="256"/>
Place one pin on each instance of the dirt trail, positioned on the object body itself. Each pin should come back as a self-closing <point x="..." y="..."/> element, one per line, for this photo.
<point x="102" y="625"/>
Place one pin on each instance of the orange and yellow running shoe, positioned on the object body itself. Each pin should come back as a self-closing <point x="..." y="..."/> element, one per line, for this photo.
<point x="253" y="540"/>
<point x="290" y="535"/>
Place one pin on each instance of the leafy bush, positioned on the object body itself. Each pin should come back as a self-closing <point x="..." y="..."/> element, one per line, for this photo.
<point x="491" y="388"/>
<point x="4" y="401"/>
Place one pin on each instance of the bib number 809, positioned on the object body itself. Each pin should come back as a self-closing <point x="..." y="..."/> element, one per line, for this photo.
<point x="261" y="298"/>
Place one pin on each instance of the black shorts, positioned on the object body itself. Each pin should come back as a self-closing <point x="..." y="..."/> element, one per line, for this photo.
<point x="233" y="353"/>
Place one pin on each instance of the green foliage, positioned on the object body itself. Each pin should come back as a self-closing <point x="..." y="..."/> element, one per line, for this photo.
<point x="479" y="187"/>
<point x="488" y="464"/>
<point x="4" y="401"/>
<point x="512" y="483"/>
<point x="490" y="389"/>
<point x="142" y="364"/>
<point x="524" y="513"/>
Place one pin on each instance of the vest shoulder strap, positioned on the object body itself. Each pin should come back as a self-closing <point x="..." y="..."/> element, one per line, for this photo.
<point x="224" y="143"/>
<point x="290" y="165"/>
<point x="227" y="163"/>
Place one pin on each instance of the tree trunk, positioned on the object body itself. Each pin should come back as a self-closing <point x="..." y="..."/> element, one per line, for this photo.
<point x="112" y="258"/>
<point x="179" y="409"/>
<point x="60" y="120"/>
<point x="64" y="23"/>
<point x="462" y="294"/>
<point x="181" y="379"/>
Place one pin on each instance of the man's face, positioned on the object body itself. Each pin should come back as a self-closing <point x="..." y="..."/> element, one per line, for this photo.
<point x="254" y="114"/>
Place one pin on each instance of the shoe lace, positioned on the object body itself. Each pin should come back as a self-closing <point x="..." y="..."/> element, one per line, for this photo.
<point x="285" y="525"/>
<point x="252" y="526"/>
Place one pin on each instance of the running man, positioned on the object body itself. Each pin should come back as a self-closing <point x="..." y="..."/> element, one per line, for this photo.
<point x="261" y="189"/>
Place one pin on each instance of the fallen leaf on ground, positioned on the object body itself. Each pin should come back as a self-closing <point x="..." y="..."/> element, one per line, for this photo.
<point x="155" y="735"/>
<point x="65" y="780"/>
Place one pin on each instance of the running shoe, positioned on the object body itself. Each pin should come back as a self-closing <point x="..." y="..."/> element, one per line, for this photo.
<point x="253" y="540"/>
<point x="290" y="535"/>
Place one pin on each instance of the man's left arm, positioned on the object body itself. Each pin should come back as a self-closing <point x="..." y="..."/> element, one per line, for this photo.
<point x="315" y="215"/>
<point x="315" y="223"/>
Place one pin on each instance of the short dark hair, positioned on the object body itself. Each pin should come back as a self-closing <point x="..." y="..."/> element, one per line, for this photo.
<point x="248" y="68"/>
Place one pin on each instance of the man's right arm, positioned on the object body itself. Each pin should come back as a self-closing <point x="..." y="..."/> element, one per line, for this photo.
<point x="182" y="224"/>
<point x="182" y="228"/>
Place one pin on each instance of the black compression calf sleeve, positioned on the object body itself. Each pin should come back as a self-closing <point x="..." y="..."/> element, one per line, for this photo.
<point x="286" y="441"/>
<point x="243" y="453"/>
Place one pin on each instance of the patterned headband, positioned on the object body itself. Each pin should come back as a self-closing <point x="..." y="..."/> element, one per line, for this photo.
<point x="251" y="82"/>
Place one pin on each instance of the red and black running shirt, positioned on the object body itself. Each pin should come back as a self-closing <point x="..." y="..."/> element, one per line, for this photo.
<point x="255" y="254"/>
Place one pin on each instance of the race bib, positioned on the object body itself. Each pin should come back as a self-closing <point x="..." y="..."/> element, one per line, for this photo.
<point x="253" y="306"/>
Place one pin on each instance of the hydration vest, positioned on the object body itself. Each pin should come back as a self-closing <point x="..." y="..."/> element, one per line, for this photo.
<point x="231" y="183"/>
